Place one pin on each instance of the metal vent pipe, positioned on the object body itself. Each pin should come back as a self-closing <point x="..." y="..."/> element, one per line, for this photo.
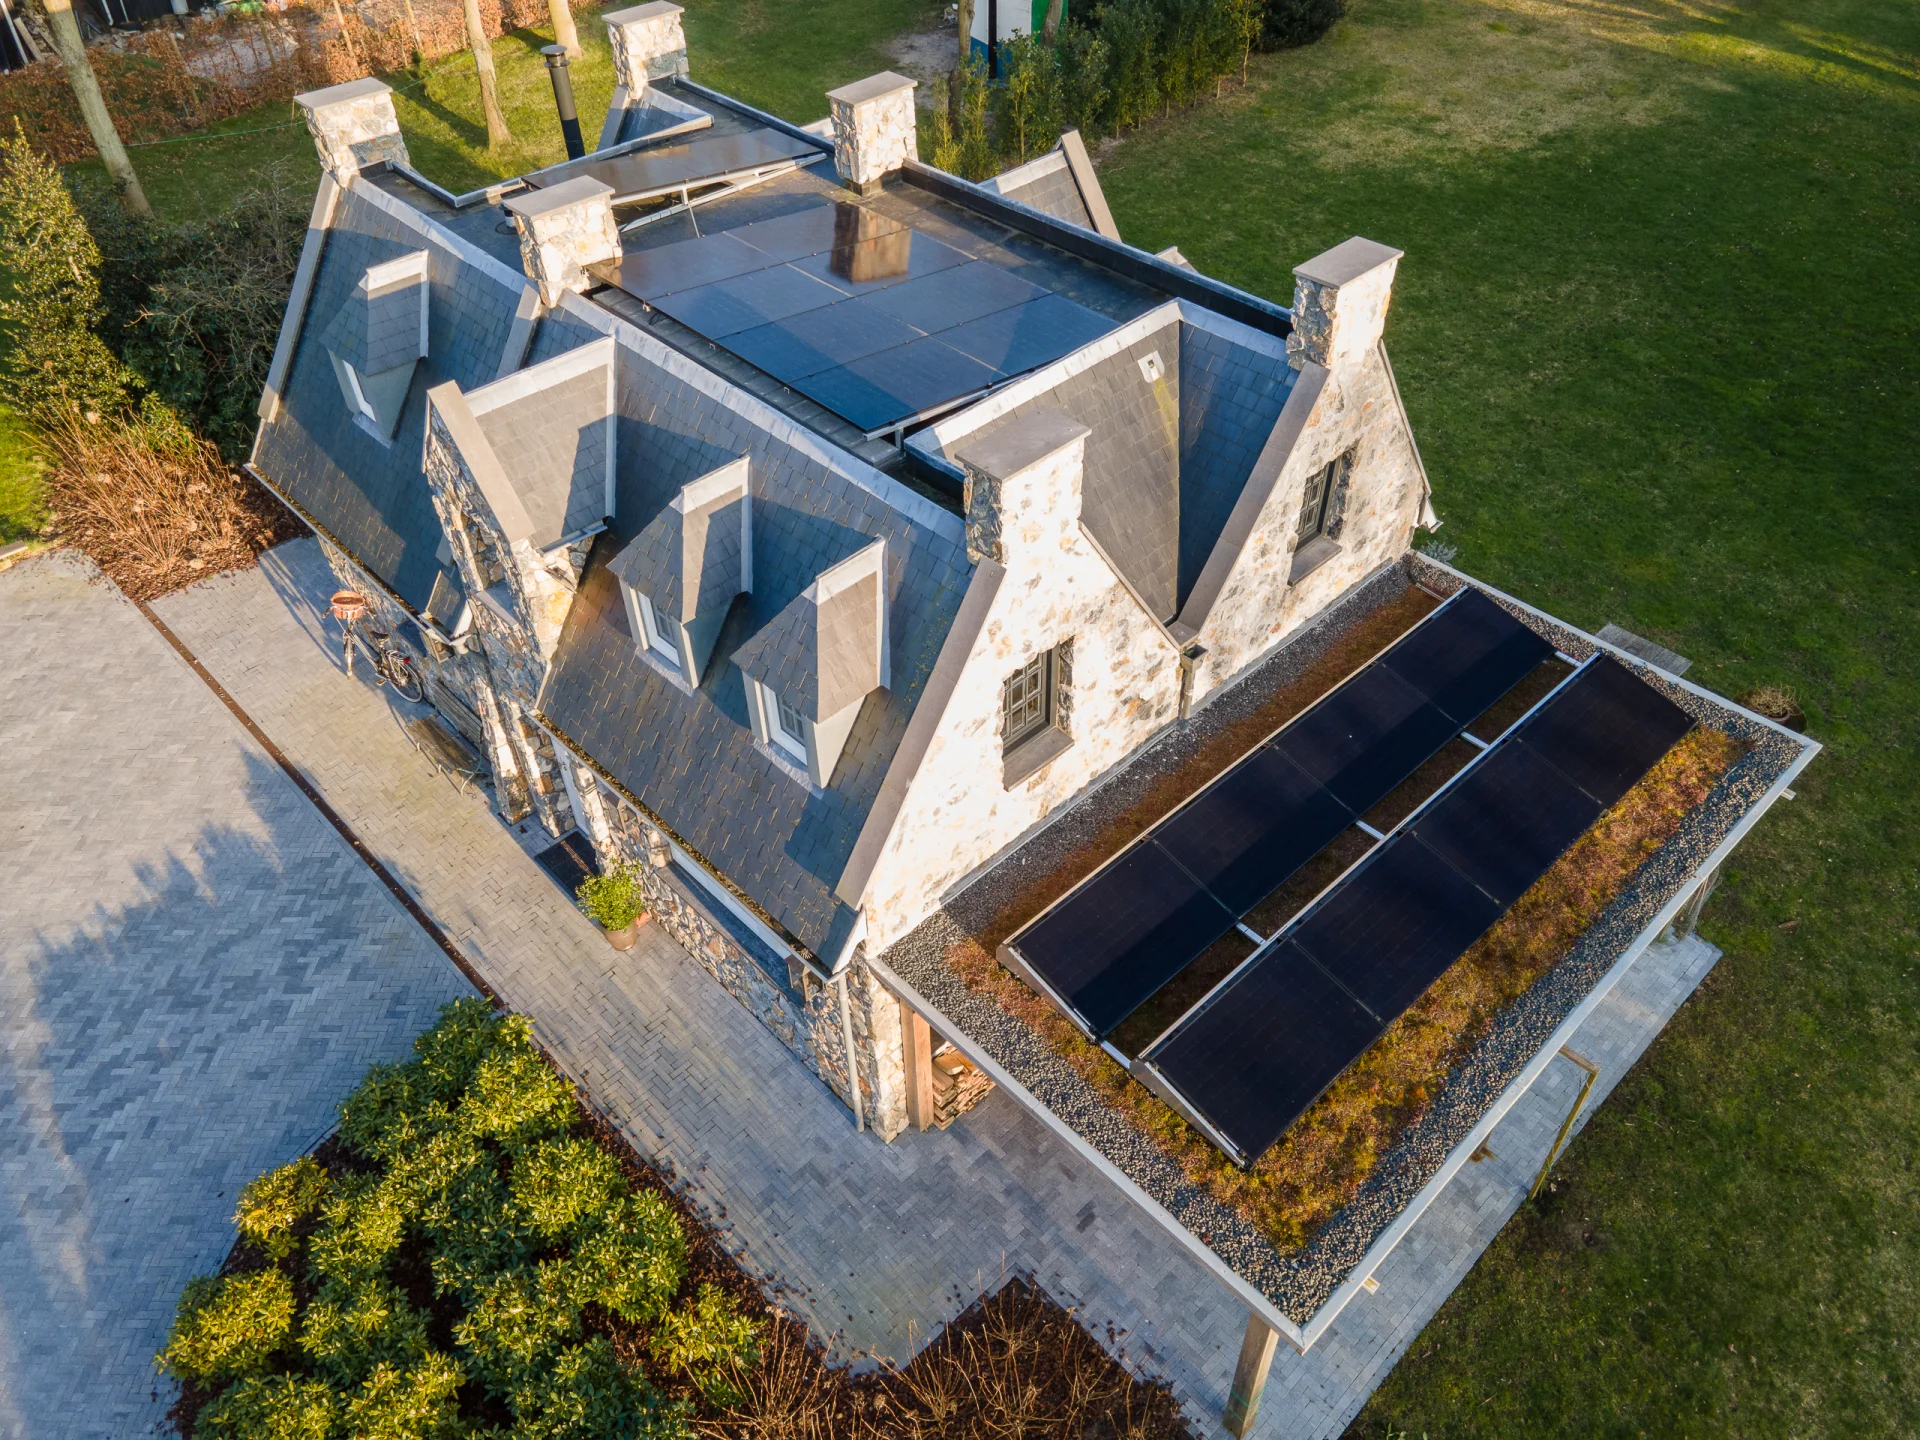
<point x="563" y="99"/>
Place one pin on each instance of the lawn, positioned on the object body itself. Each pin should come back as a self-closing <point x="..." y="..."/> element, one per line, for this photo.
<point x="1656" y="327"/>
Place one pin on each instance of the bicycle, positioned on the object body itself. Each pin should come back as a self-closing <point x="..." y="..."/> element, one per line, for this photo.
<point x="392" y="665"/>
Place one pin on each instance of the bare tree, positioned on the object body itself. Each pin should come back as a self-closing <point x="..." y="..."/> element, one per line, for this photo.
<point x="563" y="30"/>
<point x="497" y="132"/>
<point x="954" y="91"/>
<point x="93" y="105"/>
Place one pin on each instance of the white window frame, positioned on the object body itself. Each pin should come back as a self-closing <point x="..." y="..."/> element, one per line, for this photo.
<point x="773" y="705"/>
<point x="656" y="639"/>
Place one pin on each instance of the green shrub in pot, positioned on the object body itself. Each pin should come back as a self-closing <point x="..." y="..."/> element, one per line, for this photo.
<point x="613" y="901"/>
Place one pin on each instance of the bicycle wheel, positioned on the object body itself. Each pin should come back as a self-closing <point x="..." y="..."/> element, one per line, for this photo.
<point x="404" y="677"/>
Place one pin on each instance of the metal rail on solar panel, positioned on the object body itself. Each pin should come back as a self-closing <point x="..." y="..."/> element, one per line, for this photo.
<point x="1302" y="969"/>
<point x="1299" y="814"/>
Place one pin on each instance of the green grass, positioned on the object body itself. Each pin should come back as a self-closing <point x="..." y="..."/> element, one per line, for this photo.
<point x="781" y="55"/>
<point x="1656" y="328"/>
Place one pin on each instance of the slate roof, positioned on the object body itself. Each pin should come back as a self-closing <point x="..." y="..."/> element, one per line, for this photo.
<point x="552" y="446"/>
<point x="1047" y="185"/>
<point x="691" y="758"/>
<point x="819" y="658"/>
<point x="371" y="496"/>
<point x="1167" y="458"/>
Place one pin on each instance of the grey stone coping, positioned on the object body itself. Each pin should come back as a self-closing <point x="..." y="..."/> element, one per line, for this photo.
<point x="1292" y="1290"/>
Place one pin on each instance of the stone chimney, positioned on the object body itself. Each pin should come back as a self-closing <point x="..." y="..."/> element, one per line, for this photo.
<point x="563" y="229"/>
<point x="353" y="125"/>
<point x="1340" y="301"/>
<point x="874" y="131"/>
<point x="1023" y="488"/>
<point x="648" y="44"/>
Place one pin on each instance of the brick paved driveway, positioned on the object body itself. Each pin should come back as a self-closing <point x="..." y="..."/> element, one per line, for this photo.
<point x="194" y="968"/>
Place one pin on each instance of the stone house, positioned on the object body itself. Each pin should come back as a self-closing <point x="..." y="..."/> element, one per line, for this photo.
<point x="805" y="525"/>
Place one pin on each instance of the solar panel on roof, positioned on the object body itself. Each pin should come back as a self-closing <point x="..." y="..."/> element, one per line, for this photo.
<point x="953" y="297"/>
<point x="1466" y="655"/>
<point x="1366" y="737"/>
<point x="684" y="265"/>
<point x="1252" y="828"/>
<point x="742" y="302"/>
<point x="1395" y="924"/>
<point x="882" y="262"/>
<point x="1605" y="728"/>
<point x="1265" y="1047"/>
<point x="816" y="229"/>
<point x="820" y="339"/>
<point x="892" y="385"/>
<point x="1114" y="941"/>
<point x="1029" y="334"/>
<point x="664" y="168"/>
<point x="1506" y="821"/>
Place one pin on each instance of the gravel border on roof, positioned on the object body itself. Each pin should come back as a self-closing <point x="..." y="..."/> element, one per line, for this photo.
<point x="1300" y="1282"/>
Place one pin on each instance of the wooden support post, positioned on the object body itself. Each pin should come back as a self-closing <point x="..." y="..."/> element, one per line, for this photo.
<point x="1250" y="1376"/>
<point x="919" y="1047"/>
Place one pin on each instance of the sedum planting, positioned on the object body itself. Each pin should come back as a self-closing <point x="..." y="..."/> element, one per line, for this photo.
<point x="468" y="1262"/>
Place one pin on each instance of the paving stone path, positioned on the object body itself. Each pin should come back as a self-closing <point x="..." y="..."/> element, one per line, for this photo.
<point x="876" y="1244"/>
<point x="194" y="968"/>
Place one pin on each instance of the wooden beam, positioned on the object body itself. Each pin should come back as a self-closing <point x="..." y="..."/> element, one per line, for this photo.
<point x="919" y="1047"/>
<point x="1250" y="1376"/>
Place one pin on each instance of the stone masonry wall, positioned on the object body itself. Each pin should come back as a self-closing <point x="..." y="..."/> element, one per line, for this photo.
<point x="533" y="591"/>
<point x="1125" y="689"/>
<point x="803" y="1015"/>
<point x="1258" y="608"/>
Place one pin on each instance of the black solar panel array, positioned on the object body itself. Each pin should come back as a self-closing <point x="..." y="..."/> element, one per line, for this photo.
<point x="875" y="321"/>
<point x="1264" y="1045"/>
<point x="661" y="169"/>
<point x="1241" y="838"/>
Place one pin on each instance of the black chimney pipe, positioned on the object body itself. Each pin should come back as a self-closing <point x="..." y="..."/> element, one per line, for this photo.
<point x="563" y="99"/>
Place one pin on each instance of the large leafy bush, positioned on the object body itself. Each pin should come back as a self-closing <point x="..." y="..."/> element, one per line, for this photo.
<point x="469" y="1252"/>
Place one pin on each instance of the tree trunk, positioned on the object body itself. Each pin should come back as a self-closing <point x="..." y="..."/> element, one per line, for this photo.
<point x="93" y="105"/>
<point x="1052" y="26"/>
<point x="497" y="132"/>
<point x="564" y="32"/>
<point x="965" y="8"/>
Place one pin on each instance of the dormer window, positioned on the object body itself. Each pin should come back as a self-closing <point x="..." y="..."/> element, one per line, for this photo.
<point x="680" y="574"/>
<point x="377" y="339"/>
<point x="788" y="729"/>
<point x="810" y="670"/>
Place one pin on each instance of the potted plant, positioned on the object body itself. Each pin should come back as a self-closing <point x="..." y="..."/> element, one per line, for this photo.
<point x="616" y="903"/>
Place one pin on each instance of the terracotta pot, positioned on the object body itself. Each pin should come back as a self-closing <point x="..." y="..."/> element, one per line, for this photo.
<point x="625" y="939"/>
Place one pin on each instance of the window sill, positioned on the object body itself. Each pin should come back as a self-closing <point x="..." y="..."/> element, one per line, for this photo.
<point x="1310" y="557"/>
<point x="1030" y="754"/>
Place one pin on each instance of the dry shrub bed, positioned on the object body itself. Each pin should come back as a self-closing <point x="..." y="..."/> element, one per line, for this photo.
<point x="178" y="77"/>
<point x="1319" y="1164"/>
<point x="1014" y="1365"/>
<point x="157" y="513"/>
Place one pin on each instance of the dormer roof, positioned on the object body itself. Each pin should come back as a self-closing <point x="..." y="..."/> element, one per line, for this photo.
<point x="826" y="651"/>
<point x="691" y="559"/>
<point x="383" y="323"/>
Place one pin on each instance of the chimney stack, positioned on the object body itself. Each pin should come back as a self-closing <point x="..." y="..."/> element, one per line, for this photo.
<point x="563" y="229"/>
<point x="1340" y="301"/>
<point x="874" y="129"/>
<point x="648" y="44"/>
<point x="1023" y="487"/>
<point x="353" y="125"/>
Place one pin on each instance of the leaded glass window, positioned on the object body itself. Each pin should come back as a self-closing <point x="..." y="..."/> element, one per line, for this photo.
<point x="1027" y="700"/>
<point x="1322" y="505"/>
